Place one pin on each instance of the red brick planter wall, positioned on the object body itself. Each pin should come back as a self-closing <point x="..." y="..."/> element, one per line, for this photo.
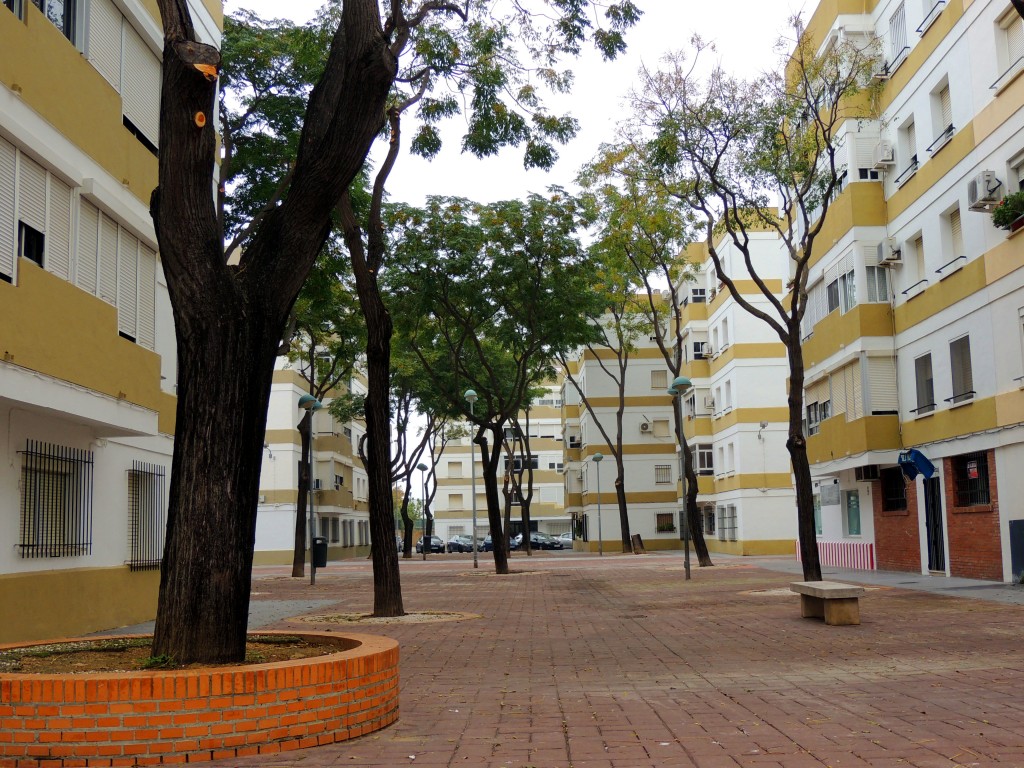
<point x="177" y="716"/>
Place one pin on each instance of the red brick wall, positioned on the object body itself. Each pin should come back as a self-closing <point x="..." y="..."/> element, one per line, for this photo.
<point x="975" y="549"/>
<point x="897" y="540"/>
<point x="179" y="716"/>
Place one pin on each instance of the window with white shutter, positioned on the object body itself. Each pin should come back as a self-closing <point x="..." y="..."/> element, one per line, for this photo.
<point x="108" y="261"/>
<point x="32" y="193"/>
<point x="127" y="284"/>
<point x="58" y="231"/>
<point x="104" y="45"/>
<point x="8" y="227"/>
<point x="956" y="233"/>
<point x="86" y="260"/>
<point x="140" y="87"/>
<point x="960" y="366"/>
<point x="147" y="297"/>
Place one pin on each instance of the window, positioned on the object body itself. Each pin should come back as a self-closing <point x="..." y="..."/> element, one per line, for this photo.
<point x="709" y="520"/>
<point x="832" y="295"/>
<point x="455" y="468"/>
<point x="812" y="419"/>
<point x="705" y="459"/>
<point x="63" y="14"/>
<point x="661" y="428"/>
<point x="663" y="473"/>
<point x="894" y="489"/>
<point x="56" y="501"/>
<point x="664" y="522"/>
<point x="925" y="385"/>
<point x="956" y="233"/>
<point x="335" y="530"/>
<point x="970" y="479"/>
<point x="519" y="463"/>
<point x="659" y="380"/>
<point x="455" y="501"/>
<point x="31" y="243"/>
<point x="960" y="365"/>
<point x="898" y="46"/>
<point x="907" y="137"/>
<point x="852" y="504"/>
<point x="145" y="516"/>
<point x="847" y="290"/>
<point x="15" y="6"/>
<point x="1009" y="46"/>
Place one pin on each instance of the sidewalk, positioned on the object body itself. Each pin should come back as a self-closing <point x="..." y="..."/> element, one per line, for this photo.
<point x="587" y="662"/>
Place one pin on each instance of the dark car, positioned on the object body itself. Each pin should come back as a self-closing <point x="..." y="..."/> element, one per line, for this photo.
<point x="540" y="540"/>
<point x="460" y="543"/>
<point x="436" y="545"/>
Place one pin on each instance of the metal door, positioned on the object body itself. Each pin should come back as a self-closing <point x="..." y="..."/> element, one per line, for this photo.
<point x="933" y="524"/>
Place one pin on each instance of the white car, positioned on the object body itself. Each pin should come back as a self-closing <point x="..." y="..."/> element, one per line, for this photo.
<point x="566" y="539"/>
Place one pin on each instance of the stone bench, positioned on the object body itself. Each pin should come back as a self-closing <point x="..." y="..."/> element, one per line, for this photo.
<point x="838" y="604"/>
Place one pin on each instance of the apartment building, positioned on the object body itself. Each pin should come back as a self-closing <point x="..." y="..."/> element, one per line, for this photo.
<point x="340" y="485"/>
<point x="914" y="339"/>
<point x="460" y="461"/>
<point x="87" y="374"/>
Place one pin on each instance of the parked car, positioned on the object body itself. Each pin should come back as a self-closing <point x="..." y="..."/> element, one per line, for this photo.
<point x="436" y="545"/>
<point x="539" y="540"/>
<point x="460" y="543"/>
<point x="566" y="539"/>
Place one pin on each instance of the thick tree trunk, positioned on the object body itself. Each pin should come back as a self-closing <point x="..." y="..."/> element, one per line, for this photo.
<point x="299" y="548"/>
<point x="700" y="546"/>
<point x="224" y="376"/>
<point x="797" y="447"/>
<point x="489" y="470"/>
<point x="620" y="499"/>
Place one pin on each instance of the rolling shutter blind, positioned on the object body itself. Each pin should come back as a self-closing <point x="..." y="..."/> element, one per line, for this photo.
<point x="854" y="393"/>
<point x="1014" y="40"/>
<point x="838" y="392"/>
<point x="957" y="233"/>
<point x="8" y="230"/>
<point x="946" y="108"/>
<point x="127" y="284"/>
<point x="912" y="139"/>
<point x="882" y="376"/>
<point x="108" y="261"/>
<point x="866" y="152"/>
<point x="147" y="297"/>
<point x="32" y="194"/>
<point x="140" y="85"/>
<point x="105" y="40"/>
<point x="88" y="247"/>
<point x="58" y="240"/>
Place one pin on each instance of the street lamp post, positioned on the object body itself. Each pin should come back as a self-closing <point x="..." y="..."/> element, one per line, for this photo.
<point x="679" y="385"/>
<point x="423" y="504"/>
<point x="471" y="398"/>
<point x="597" y="466"/>
<point x="310" y="404"/>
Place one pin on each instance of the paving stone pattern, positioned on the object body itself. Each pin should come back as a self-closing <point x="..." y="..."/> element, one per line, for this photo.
<point x="587" y="662"/>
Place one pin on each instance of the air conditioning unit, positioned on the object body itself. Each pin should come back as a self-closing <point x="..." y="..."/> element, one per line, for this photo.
<point x="645" y="426"/>
<point x="867" y="472"/>
<point x="706" y="349"/>
<point x="982" y="191"/>
<point x="889" y="254"/>
<point x="884" y="156"/>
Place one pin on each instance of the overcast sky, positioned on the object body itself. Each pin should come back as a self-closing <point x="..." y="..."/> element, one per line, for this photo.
<point x="744" y="32"/>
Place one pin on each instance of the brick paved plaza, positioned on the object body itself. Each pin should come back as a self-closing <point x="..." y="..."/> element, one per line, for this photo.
<point x="587" y="662"/>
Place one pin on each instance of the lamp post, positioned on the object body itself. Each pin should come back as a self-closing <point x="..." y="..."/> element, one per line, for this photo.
<point x="423" y="505"/>
<point x="471" y="398"/>
<point x="679" y="385"/>
<point x="597" y="457"/>
<point x="310" y="404"/>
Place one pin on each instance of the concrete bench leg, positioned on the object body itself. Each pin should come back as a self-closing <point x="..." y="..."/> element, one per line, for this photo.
<point x="812" y="607"/>
<point x="842" y="611"/>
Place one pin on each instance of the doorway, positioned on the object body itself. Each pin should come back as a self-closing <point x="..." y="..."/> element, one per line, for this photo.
<point x="933" y="524"/>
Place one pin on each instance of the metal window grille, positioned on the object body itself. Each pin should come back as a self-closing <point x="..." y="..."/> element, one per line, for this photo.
<point x="663" y="473"/>
<point x="970" y="473"/>
<point x="146" y="524"/>
<point x="56" y="501"/>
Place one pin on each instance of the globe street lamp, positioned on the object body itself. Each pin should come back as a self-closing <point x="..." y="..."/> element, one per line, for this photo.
<point x="679" y="385"/>
<point x="423" y="504"/>
<point x="471" y="398"/>
<point x="597" y="465"/>
<point x="310" y="404"/>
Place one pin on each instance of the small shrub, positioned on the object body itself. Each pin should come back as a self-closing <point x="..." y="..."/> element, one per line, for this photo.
<point x="1008" y="210"/>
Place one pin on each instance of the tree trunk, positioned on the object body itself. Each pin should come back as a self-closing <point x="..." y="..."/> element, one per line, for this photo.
<point x="489" y="470"/>
<point x="797" y="447"/>
<point x="211" y="528"/>
<point x="620" y="498"/>
<point x="299" y="549"/>
<point x="700" y="546"/>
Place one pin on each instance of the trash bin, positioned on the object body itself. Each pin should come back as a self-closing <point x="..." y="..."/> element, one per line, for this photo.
<point x="320" y="551"/>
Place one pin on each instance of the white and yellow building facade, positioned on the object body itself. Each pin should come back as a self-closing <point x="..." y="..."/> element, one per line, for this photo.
<point x="340" y="487"/>
<point x="88" y="369"/>
<point x="914" y="339"/>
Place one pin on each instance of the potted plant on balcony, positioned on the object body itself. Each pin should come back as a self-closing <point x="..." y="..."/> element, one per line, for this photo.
<point x="1009" y="212"/>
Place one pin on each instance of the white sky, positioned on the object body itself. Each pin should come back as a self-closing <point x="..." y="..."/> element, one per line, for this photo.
<point x="744" y="32"/>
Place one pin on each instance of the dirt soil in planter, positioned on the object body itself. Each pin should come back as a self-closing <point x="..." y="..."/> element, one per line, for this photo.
<point x="134" y="654"/>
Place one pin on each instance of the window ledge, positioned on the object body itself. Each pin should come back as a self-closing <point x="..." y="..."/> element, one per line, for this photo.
<point x="974" y="509"/>
<point x="1008" y="77"/>
<point x="962" y="403"/>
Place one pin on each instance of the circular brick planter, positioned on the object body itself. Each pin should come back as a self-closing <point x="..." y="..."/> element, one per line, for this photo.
<point x="177" y="716"/>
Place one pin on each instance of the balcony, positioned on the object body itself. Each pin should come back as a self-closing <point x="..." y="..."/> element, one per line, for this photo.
<point x="838" y="438"/>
